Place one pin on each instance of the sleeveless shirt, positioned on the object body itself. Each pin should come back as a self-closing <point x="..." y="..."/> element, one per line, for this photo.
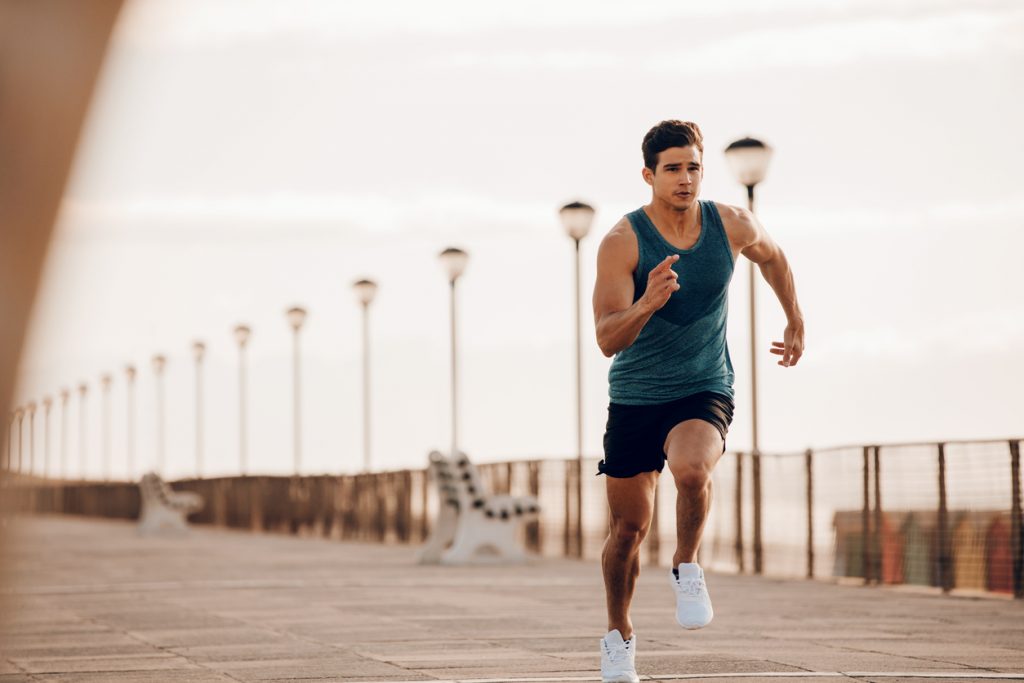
<point x="682" y="350"/>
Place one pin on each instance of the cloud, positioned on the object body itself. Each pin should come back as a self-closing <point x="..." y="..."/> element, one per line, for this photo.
<point x="154" y="23"/>
<point x="147" y="23"/>
<point x="441" y="211"/>
<point x="831" y="43"/>
<point x="911" y="218"/>
<point x="976" y="332"/>
<point x="438" y="212"/>
<point x="945" y="36"/>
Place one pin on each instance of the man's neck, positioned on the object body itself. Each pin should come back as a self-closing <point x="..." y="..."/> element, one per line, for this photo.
<point x="677" y="221"/>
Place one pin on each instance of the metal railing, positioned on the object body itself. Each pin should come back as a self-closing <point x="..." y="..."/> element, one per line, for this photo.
<point x="946" y="515"/>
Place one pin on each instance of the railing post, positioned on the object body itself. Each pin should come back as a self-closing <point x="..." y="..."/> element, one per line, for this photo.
<point x="570" y="467"/>
<point x="425" y="512"/>
<point x="739" y="513"/>
<point x="942" y="530"/>
<point x="809" y="462"/>
<point x="876" y="536"/>
<point x="533" y="528"/>
<point x="255" y="485"/>
<point x="1016" y="522"/>
<point x="865" y="516"/>
<point x="755" y="471"/>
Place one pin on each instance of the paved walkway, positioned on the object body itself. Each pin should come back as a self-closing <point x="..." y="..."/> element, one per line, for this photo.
<point x="88" y="600"/>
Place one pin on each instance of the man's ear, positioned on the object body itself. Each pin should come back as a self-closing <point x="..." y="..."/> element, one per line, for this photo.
<point x="648" y="175"/>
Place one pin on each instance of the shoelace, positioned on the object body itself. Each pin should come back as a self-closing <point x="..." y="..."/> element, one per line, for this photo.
<point x="690" y="587"/>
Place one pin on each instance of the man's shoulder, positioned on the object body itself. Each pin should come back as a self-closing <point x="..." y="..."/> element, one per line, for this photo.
<point x="621" y="234"/>
<point x="739" y="223"/>
<point x="731" y="213"/>
<point x="620" y="243"/>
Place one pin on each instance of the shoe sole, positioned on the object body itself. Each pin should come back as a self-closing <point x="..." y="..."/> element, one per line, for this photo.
<point x="689" y="627"/>
<point x="694" y="627"/>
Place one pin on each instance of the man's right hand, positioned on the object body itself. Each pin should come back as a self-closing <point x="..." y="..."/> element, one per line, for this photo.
<point x="661" y="283"/>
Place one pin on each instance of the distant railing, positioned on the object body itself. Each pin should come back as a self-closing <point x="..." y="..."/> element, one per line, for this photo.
<point x="945" y="515"/>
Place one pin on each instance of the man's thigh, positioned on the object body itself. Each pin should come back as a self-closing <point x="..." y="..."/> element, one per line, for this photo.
<point x="693" y="445"/>
<point x="631" y="499"/>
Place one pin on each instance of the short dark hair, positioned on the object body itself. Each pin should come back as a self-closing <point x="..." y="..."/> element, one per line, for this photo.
<point x="668" y="134"/>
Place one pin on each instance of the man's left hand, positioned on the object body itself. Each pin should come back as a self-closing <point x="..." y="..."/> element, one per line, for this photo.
<point x="792" y="348"/>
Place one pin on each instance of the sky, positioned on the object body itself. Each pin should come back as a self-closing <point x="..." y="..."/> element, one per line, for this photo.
<point x="241" y="157"/>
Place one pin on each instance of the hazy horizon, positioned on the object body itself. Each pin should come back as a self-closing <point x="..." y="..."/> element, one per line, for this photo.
<point x="239" y="159"/>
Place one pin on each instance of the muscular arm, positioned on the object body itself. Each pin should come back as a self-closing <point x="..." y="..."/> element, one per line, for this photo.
<point x="617" y="317"/>
<point x="758" y="246"/>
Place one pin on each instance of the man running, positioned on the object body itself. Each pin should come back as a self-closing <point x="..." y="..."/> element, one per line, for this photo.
<point x="660" y="304"/>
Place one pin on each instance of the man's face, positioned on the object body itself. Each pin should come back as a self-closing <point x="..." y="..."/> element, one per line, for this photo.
<point x="676" y="179"/>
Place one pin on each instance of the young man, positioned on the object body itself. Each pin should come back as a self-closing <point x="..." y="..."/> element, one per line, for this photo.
<point x="660" y="303"/>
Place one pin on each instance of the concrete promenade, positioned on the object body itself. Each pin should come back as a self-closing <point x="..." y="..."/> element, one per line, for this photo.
<point x="89" y="600"/>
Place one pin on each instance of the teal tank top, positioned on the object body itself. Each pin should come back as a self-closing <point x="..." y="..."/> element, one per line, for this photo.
<point x="682" y="350"/>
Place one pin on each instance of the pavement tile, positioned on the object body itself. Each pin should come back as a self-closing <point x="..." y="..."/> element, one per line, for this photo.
<point x="238" y="652"/>
<point x="179" y="676"/>
<point x="94" y="602"/>
<point x="230" y="635"/>
<point x="316" y="667"/>
<point x="108" y="663"/>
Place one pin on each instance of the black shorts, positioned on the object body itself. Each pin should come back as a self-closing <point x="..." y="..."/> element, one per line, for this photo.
<point x="634" y="440"/>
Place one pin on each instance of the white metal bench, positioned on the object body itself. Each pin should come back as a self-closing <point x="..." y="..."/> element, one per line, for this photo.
<point x="163" y="510"/>
<point x="474" y="526"/>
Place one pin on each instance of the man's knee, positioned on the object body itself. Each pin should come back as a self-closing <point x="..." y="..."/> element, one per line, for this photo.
<point x="692" y="477"/>
<point x="626" y="535"/>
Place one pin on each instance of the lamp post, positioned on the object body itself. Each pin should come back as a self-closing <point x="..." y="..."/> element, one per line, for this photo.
<point x="159" y="362"/>
<point x="83" y="454"/>
<point x="31" y="407"/>
<point x="454" y="261"/>
<point x="47" y="404"/>
<point x="9" y="462"/>
<point x="366" y="290"/>
<point x="19" y="414"/>
<point x="198" y="351"/>
<point x="577" y="218"/>
<point x="65" y="395"/>
<point x="242" y="334"/>
<point x="296" y="316"/>
<point x="749" y="158"/>
<point x="129" y="387"/>
<point x="105" y="382"/>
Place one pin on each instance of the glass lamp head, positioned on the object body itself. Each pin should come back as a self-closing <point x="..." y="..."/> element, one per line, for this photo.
<point x="454" y="261"/>
<point x="577" y="218"/>
<point x="748" y="160"/>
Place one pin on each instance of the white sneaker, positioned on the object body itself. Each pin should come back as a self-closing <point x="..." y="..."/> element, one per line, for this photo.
<point x="693" y="604"/>
<point x="618" y="658"/>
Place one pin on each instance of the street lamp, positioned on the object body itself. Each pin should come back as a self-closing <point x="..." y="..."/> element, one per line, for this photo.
<point x="454" y="262"/>
<point x="65" y="394"/>
<point x="242" y="334"/>
<point x="105" y="381"/>
<point x="47" y="404"/>
<point x="19" y="414"/>
<point x="296" y="316"/>
<point x="198" y="351"/>
<point x="31" y="407"/>
<point x="83" y="454"/>
<point x="366" y="290"/>
<point x="748" y="159"/>
<point x="577" y="218"/>
<point x="129" y="374"/>
<point x="159" y="363"/>
<point x="9" y="462"/>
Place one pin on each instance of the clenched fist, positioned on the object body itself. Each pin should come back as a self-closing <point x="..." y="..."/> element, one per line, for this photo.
<point x="661" y="283"/>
